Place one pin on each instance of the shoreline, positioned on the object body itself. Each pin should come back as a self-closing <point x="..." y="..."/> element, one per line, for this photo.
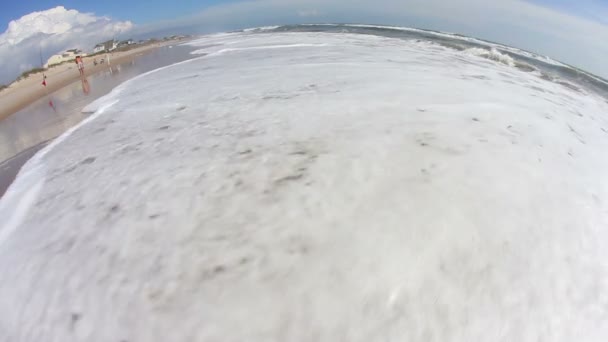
<point x="22" y="93"/>
<point x="9" y="169"/>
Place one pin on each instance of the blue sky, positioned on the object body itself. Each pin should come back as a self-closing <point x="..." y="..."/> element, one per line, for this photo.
<point x="145" y="12"/>
<point x="140" y="12"/>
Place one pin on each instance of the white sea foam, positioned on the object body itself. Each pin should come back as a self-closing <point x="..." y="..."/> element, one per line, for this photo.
<point x="371" y="189"/>
<point x="245" y="49"/>
<point x="492" y="54"/>
<point x="261" y="29"/>
<point x="455" y="36"/>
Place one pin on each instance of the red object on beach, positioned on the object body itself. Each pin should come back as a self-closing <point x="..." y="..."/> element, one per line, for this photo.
<point x="51" y="104"/>
<point x="44" y="83"/>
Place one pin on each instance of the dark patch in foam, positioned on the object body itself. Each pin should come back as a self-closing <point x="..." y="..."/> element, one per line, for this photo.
<point x="280" y="97"/>
<point x="187" y="77"/>
<point x="476" y="77"/>
<point x="301" y="158"/>
<point x="88" y="160"/>
<point x="74" y="318"/>
<point x="69" y="169"/>
<point x="570" y="86"/>
<point x="289" y="178"/>
<point x="130" y="148"/>
<point x="577" y="134"/>
<point x="537" y="89"/>
<point x="425" y="138"/>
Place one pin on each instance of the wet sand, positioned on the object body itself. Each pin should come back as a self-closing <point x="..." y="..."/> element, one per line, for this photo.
<point x="10" y="167"/>
<point x="24" y="92"/>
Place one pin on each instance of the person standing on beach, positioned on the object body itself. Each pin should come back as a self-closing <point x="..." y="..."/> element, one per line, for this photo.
<point x="80" y="65"/>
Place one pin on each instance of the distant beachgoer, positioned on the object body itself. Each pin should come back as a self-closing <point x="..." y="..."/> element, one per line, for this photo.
<point x="95" y="61"/>
<point x="80" y="65"/>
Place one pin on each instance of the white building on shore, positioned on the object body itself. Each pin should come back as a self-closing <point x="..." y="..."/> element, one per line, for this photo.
<point x="68" y="55"/>
<point x="105" y="46"/>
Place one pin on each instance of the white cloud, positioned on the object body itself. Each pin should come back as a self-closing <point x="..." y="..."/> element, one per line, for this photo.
<point x="51" y="31"/>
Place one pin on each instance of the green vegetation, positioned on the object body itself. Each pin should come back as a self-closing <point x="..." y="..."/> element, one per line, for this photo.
<point x="25" y="74"/>
<point x="2" y="87"/>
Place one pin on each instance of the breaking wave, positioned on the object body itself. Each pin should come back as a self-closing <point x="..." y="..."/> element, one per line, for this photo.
<point x="260" y="29"/>
<point x="492" y="54"/>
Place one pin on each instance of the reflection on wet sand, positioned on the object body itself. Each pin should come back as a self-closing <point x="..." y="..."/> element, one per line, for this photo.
<point x="52" y="115"/>
<point x="86" y="88"/>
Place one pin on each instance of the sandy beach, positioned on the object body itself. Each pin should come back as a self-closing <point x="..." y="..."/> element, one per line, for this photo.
<point x="21" y="93"/>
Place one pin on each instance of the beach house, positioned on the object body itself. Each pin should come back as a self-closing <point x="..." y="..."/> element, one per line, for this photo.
<point x="68" y="55"/>
<point x="105" y="46"/>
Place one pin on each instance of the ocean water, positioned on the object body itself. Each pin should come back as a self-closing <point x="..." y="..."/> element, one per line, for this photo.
<point x="543" y="66"/>
<point x="319" y="186"/>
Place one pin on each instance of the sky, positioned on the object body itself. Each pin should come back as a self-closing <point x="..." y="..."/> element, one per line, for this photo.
<point x="140" y="12"/>
<point x="575" y="32"/>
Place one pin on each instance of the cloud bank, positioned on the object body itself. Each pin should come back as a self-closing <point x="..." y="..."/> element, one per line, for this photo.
<point x="51" y="31"/>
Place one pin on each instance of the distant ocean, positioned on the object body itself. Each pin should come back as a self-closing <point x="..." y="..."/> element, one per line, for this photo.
<point x="544" y="66"/>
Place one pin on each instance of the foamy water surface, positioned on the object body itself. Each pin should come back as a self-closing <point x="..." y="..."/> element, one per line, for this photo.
<point x="295" y="185"/>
